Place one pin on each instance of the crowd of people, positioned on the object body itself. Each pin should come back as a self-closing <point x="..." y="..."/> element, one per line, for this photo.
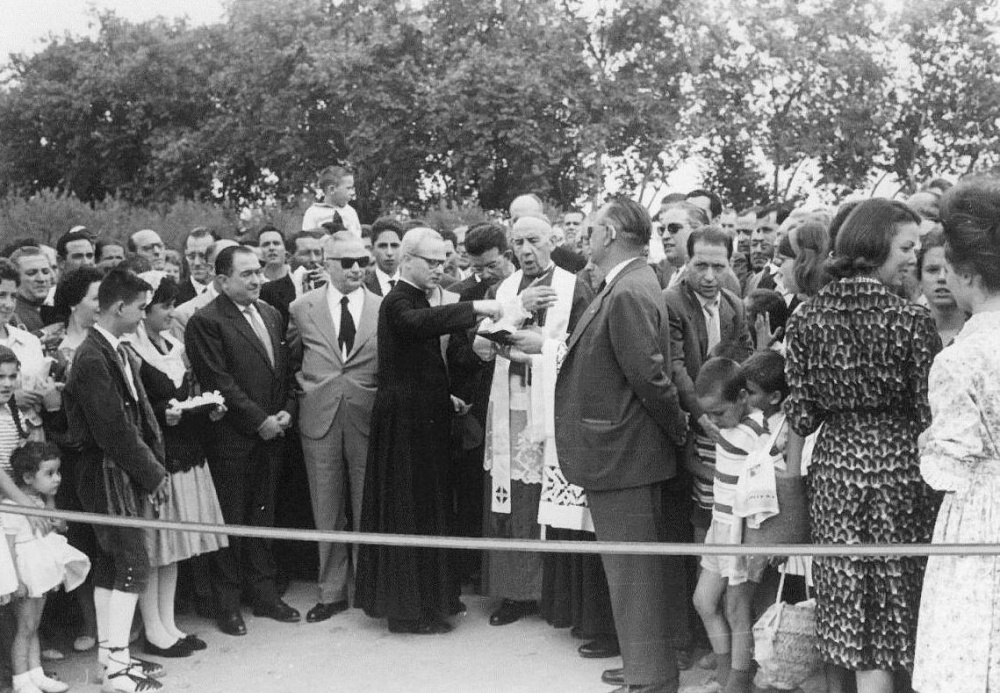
<point x="606" y="376"/>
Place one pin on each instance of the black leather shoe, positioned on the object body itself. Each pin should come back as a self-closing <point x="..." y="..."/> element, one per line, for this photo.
<point x="599" y="649"/>
<point x="322" y="611"/>
<point x="195" y="643"/>
<point x="231" y="623"/>
<point x="511" y="611"/>
<point x="614" y="677"/>
<point x="178" y="649"/>
<point x="277" y="610"/>
<point x="398" y="625"/>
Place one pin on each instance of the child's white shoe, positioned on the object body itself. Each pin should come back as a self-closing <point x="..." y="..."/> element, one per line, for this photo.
<point x="45" y="684"/>
<point x="24" y="684"/>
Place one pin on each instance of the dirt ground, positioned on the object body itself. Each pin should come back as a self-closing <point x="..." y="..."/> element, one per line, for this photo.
<point x="352" y="653"/>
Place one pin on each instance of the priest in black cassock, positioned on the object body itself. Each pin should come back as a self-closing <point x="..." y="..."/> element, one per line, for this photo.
<point x="406" y="482"/>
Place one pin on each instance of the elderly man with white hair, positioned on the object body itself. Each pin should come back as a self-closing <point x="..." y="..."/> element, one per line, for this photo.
<point x="406" y="475"/>
<point x="550" y="300"/>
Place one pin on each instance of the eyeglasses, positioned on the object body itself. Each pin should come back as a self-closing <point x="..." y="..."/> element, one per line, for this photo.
<point x="192" y="256"/>
<point x="433" y="264"/>
<point x="349" y="262"/>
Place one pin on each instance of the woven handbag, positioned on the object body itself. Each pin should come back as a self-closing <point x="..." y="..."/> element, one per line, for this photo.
<point x="784" y="640"/>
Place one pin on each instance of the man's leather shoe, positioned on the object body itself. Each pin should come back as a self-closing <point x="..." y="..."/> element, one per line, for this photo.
<point x="231" y="623"/>
<point x="511" y="611"/>
<point x="614" y="677"/>
<point x="322" y="611"/>
<point x="277" y="610"/>
<point x="599" y="649"/>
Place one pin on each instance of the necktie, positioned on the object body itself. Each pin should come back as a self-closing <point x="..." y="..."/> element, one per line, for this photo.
<point x="347" y="331"/>
<point x="601" y="286"/>
<point x="262" y="334"/>
<point x="712" y="326"/>
<point x="127" y="370"/>
<point x="392" y="283"/>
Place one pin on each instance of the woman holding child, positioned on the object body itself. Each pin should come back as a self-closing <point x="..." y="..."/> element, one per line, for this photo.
<point x="857" y="363"/>
<point x="958" y="642"/>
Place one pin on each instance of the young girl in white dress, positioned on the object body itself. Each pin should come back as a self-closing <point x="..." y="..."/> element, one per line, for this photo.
<point x="43" y="562"/>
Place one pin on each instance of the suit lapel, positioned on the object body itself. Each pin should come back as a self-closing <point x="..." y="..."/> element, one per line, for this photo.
<point x="112" y="356"/>
<point x="241" y="325"/>
<point x="368" y="326"/>
<point x="698" y="318"/>
<point x="595" y="305"/>
<point x="319" y="311"/>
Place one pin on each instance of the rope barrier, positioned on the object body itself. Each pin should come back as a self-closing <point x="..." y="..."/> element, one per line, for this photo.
<point x="530" y="545"/>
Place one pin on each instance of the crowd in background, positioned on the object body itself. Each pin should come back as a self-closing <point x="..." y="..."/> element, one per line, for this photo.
<point x="435" y="381"/>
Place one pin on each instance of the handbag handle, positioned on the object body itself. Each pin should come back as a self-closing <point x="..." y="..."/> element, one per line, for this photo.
<point x="781" y="584"/>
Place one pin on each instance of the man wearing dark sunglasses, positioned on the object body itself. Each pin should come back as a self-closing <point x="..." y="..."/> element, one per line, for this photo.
<point x="332" y="338"/>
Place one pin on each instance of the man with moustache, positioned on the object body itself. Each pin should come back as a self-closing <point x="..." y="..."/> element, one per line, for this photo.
<point x="200" y="273"/>
<point x="235" y="346"/>
<point x="332" y="341"/>
<point x="406" y="476"/>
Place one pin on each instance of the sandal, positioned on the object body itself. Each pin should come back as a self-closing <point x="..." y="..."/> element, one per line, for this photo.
<point x="152" y="670"/>
<point x="132" y="681"/>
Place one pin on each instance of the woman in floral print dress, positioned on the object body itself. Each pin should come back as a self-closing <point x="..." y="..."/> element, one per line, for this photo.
<point x="958" y="640"/>
<point x="857" y="363"/>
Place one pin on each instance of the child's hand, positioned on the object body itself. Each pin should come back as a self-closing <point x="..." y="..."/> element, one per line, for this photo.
<point x="217" y="413"/>
<point x="40" y="525"/>
<point x="709" y="427"/>
<point x="173" y="415"/>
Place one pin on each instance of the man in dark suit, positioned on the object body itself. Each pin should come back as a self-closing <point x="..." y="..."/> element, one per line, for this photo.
<point x="120" y="471"/>
<point x="235" y="346"/>
<point x="618" y="425"/>
<point x="199" y="272"/>
<point x="386" y="235"/>
<point x="332" y="341"/>
<point x="703" y="315"/>
<point x="471" y="377"/>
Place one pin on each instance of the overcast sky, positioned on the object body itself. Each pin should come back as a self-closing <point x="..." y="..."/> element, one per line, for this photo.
<point x="24" y="22"/>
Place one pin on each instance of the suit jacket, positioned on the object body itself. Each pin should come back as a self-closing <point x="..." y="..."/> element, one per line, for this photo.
<point x="227" y="356"/>
<point x="279" y="294"/>
<point x="618" y="418"/>
<point x="185" y="292"/>
<point x="184" y="311"/>
<point x="107" y="423"/>
<point x="689" y="336"/>
<point x="325" y="383"/>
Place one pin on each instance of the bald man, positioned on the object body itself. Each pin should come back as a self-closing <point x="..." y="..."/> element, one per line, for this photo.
<point x="148" y="245"/>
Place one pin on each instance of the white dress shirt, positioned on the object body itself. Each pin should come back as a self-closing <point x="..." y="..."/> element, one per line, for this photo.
<point x="129" y="375"/>
<point x="355" y="302"/>
<point x="383" y="280"/>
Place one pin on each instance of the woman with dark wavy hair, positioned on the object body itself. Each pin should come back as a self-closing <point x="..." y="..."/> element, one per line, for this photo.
<point x="801" y="257"/>
<point x="958" y="641"/>
<point x="857" y="363"/>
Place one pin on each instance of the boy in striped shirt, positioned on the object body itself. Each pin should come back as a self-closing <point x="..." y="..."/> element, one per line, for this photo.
<point x="724" y="595"/>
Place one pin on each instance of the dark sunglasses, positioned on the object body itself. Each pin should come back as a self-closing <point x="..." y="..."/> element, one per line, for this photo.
<point x="348" y="262"/>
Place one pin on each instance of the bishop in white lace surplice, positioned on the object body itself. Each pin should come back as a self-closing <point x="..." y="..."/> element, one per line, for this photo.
<point x="958" y="636"/>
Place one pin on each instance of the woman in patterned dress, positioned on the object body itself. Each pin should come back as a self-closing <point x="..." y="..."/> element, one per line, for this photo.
<point x="958" y="641"/>
<point x="857" y="362"/>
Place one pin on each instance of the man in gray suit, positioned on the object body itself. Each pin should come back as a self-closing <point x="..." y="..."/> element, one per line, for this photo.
<point x="331" y="334"/>
<point x="618" y="427"/>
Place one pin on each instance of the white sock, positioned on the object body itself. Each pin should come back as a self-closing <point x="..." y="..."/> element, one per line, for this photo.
<point x="149" y="606"/>
<point x="166" y="594"/>
<point x="45" y="684"/>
